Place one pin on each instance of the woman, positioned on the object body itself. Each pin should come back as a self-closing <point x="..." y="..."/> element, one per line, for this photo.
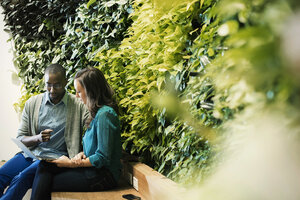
<point x="98" y="167"/>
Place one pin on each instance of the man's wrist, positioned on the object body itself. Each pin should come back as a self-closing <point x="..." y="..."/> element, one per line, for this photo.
<point x="37" y="139"/>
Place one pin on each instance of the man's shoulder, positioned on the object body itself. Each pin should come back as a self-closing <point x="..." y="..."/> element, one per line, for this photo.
<point x="33" y="102"/>
<point x="74" y="100"/>
<point x="71" y="96"/>
<point x="35" y="98"/>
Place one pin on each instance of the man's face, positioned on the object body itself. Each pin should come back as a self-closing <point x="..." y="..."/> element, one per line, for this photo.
<point x="55" y="85"/>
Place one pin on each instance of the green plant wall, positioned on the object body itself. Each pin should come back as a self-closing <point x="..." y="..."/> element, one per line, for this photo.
<point x="84" y="30"/>
<point x="35" y="27"/>
<point x="186" y="72"/>
<point x="152" y="63"/>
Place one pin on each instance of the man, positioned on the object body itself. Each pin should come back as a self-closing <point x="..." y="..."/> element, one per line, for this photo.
<point x="51" y="122"/>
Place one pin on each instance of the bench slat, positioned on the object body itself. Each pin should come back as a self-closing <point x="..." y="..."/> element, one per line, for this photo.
<point x="115" y="194"/>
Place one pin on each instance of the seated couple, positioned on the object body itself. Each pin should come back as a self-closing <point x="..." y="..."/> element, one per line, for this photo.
<point x="54" y="122"/>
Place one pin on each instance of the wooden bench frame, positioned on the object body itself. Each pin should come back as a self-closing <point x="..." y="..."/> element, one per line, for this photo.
<point x="151" y="184"/>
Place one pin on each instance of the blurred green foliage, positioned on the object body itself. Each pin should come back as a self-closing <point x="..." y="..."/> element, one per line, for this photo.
<point x="182" y="70"/>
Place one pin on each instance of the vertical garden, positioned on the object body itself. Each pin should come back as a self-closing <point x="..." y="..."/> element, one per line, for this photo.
<point x="188" y="74"/>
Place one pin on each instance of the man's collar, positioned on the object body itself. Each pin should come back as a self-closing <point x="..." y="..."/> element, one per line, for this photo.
<point x="64" y="99"/>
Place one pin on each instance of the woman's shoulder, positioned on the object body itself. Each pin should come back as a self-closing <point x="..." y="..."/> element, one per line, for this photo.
<point x="106" y="116"/>
<point x="106" y="110"/>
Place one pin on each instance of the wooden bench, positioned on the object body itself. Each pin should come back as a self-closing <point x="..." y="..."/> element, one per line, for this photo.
<point x="151" y="184"/>
<point x="138" y="179"/>
<point x="115" y="194"/>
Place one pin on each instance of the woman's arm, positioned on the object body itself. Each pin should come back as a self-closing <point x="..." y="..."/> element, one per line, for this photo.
<point x="64" y="161"/>
<point x="106" y="127"/>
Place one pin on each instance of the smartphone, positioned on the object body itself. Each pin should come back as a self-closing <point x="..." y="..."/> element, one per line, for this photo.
<point x="131" y="197"/>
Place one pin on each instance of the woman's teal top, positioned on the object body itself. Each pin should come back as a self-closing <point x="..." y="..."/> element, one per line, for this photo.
<point x="102" y="141"/>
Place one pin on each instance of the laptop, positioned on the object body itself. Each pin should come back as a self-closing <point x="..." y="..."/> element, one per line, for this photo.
<point x="31" y="154"/>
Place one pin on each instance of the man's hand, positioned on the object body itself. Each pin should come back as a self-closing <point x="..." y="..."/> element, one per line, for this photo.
<point x="44" y="136"/>
<point x="63" y="161"/>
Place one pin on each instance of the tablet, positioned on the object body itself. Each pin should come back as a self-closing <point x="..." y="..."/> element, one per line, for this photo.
<point x="29" y="153"/>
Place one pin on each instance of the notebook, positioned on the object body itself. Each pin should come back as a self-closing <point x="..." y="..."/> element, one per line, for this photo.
<point x="32" y="155"/>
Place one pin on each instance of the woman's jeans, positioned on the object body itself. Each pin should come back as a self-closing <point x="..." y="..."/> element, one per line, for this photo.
<point x="50" y="178"/>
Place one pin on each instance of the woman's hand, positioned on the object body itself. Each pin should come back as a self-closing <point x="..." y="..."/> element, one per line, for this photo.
<point x="63" y="161"/>
<point x="78" y="159"/>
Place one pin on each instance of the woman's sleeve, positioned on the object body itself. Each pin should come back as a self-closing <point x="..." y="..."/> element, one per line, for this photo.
<point x="106" y="129"/>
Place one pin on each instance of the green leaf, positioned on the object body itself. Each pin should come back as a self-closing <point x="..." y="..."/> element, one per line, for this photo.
<point x="41" y="27"/>
<point x="90" y="3"/>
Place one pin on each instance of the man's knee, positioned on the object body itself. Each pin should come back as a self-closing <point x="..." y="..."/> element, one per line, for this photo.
<point x="23" y="178"/>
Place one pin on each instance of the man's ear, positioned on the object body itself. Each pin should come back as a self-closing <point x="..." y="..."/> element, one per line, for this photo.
<point x="64" y="82"/>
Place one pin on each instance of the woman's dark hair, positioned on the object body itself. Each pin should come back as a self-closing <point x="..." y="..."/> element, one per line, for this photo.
<point x="98" y="91"/>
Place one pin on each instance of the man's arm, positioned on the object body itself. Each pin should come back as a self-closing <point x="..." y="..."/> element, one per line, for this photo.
<point x="85" y="114"/>
<point x="26" y="131"/>
<point x="44" y="136"/>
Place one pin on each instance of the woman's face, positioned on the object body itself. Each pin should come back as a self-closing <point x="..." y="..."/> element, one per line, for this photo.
<point x="80" y="91"/>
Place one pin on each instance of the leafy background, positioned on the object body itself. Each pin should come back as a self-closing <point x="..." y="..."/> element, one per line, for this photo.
<point x="187" y="73"/>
